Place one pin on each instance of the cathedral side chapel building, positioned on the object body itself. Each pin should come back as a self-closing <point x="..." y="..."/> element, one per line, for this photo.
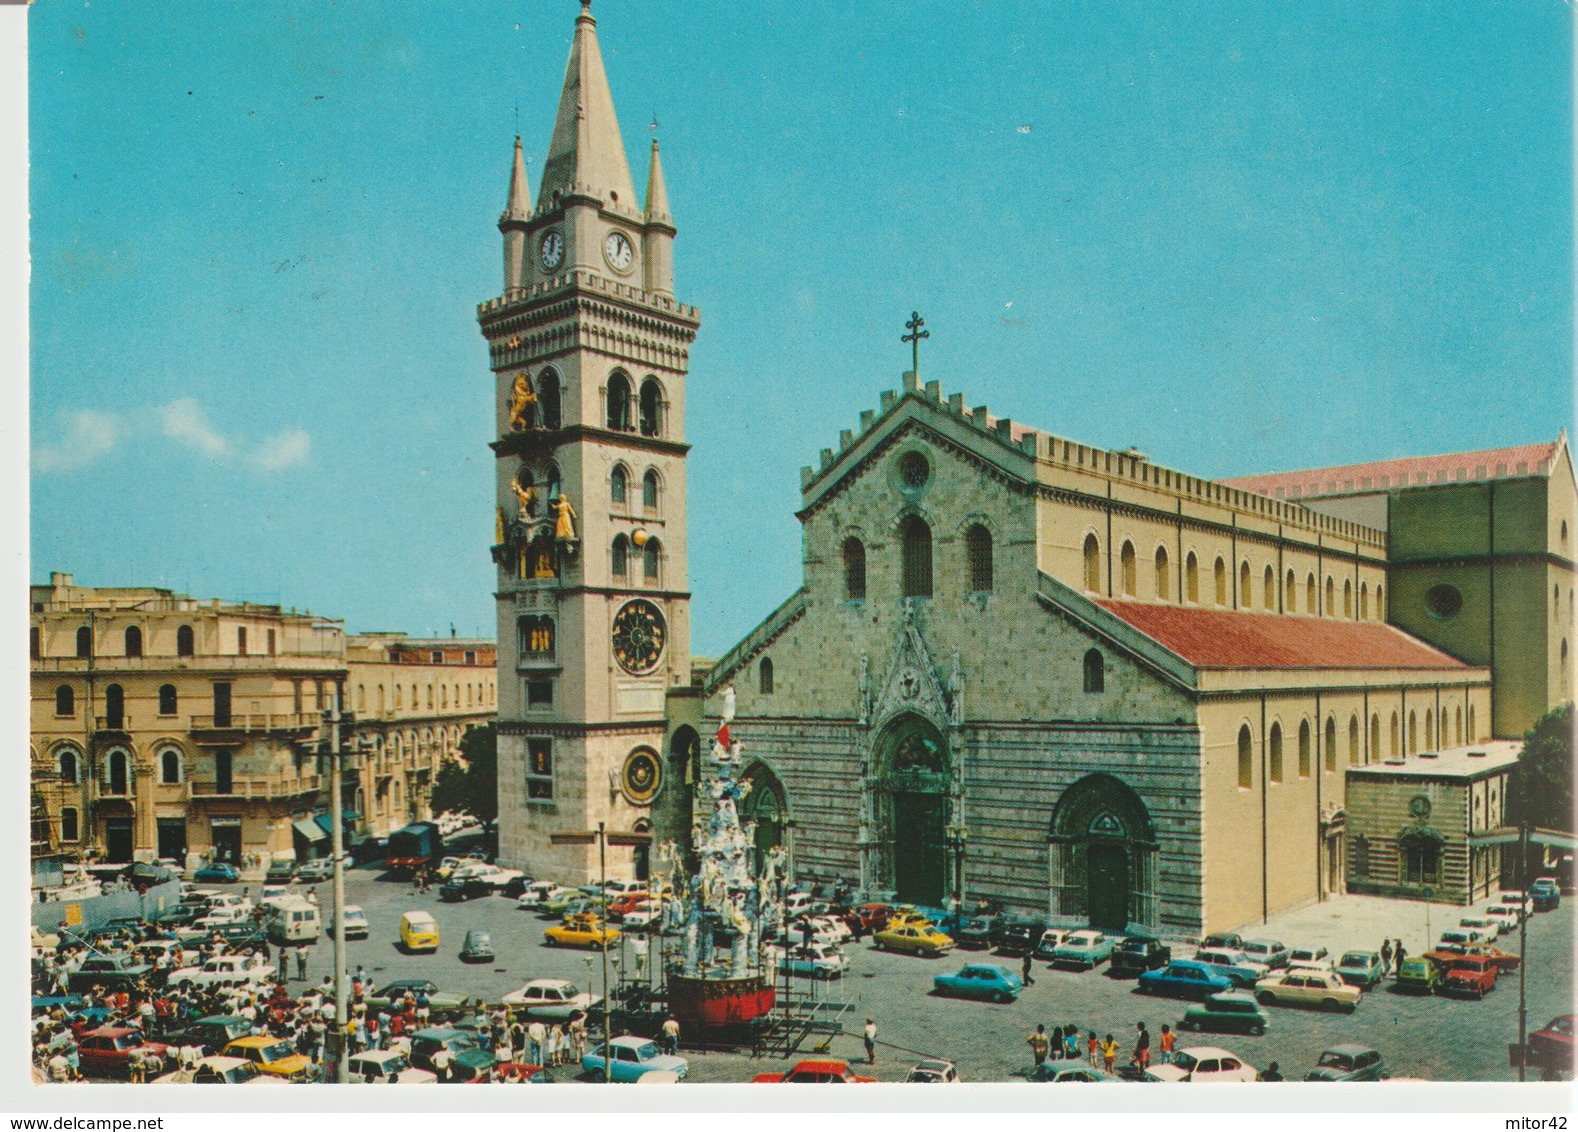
<point x="1019" y="668"/>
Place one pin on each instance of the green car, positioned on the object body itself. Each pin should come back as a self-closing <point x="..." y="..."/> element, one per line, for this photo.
<point x="439" y="1002"/>
<point x="1227" y="1012"/>
<point x="1418" y="975"/>
<point x="563" y="904"/>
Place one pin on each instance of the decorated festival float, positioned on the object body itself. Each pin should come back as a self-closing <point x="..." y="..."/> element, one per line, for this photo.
<point x="718" y="979"/>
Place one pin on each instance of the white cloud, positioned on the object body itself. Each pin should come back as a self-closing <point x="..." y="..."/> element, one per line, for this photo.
<point x="90" y="434"/>
<point x="185" y="420"/>
<point x="284" y="450"/>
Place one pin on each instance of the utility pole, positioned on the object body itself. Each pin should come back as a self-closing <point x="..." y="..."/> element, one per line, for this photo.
<point x="1523" y="926"/>
<point x="336" y="846"/>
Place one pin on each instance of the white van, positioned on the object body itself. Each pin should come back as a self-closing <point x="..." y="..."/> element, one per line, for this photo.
<point x="292" y="921"/>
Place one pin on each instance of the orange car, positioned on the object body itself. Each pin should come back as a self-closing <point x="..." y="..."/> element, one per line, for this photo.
<point x="823" y="1071"/>
<point x="1444" y="956"/>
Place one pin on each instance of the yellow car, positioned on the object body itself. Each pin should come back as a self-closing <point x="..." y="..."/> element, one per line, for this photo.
<point x="273" y="1056"/>
<point x="581" y="931"/>
<point x="917" y="939"/>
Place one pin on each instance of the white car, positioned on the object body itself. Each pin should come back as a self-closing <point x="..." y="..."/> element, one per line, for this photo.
<point x="1310" y="957"/>
<point x="551" y="1000"/>
<point x="1203" y="1065"/>
<point x="642" y="916"/>
<point x="221" y="919"/>
<point x="1481" y="923"/>
<point x="489" y="874"/>
<point x="1505" y="916"/>
<point x="817" y="960"/>
<point x="384" y="1064"/>
<point x="539" y="894"/>
<point x="812" y="931"/>
<point x="224" y="971"/>
<point x="314" y="871"/>
<point x="355" y="922"/>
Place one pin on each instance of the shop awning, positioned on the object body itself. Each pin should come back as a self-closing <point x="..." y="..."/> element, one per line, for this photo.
<point x="310" y="829"/>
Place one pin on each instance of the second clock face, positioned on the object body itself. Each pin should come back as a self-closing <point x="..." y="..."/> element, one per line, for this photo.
<point x="619" y="251"/>
<point x="639" y="636"/>
<point x="552" y="250"/>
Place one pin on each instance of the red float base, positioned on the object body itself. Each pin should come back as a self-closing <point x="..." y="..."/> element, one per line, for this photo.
<point x="719" y="1003"/>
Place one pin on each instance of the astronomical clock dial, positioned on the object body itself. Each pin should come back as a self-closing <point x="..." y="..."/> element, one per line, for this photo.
<point x="552" y="250"/>
<point x="639" y="635"/>
<point x="619" y="252"/>
<point x="641" y="777"/>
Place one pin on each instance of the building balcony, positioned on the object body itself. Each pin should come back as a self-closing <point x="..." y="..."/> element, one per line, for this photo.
<point x="259" y="787"/>
<point x="233" y="727"/>
<point x="315" y="665"/>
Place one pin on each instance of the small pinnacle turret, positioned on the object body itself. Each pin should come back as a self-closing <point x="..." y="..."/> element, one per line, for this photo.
<point x="518" y="206"/>
<point x="657" y="194"/>
<point x="513" y="221"/>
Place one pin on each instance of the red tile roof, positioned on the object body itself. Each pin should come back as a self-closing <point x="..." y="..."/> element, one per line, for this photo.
<point x="1219" y="638"/>
<point x="1410" y="471"/>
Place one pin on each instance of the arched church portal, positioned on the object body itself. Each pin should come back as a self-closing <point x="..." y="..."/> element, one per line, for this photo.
<point x="912" y="809"/>
<point x="1103" y="855"/>
<point x="767" y="805"/>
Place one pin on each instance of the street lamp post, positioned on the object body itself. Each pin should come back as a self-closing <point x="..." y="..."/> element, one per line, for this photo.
<point x="958" y="837"/>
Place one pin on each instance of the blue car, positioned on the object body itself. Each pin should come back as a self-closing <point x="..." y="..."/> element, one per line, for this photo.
<point x="633" y="1058"/>
<point x="980" y="980"/>
<point x="1185" y="979"/>
<point x="219" y="873"/>
<point x="1544" y="895"/>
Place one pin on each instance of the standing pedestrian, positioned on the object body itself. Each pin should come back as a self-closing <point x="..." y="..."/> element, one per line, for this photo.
<point x="1272" y="1073"/>
<point x="671" y="1036"/>
<point x="1398" y="955"/>
<point x="1142" y="1046"/>
<point x="1024" y="967"/>
<point x="301" y="963"/>
<point x="1093" y="1050"/>
<point x="538" y="1034"/>
<point x="1109" y="1052"/>
<point x="1168" y="1038"/>
<point x="1070" y="1042"/>
<point x="870" y="1036"/>
<point x="1038" y="1043"/>
<point x="1386" y="957"/>
<point x="441" y="1063"/>
<point x="1056" y="1049"/>
<point x="641" y="946"/>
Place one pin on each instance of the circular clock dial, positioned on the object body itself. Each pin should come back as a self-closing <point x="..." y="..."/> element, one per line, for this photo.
<point x="552" y="250"/>
<point x="619" y="251"/>
<point x="639" y="634"/>
<point x="642" y="776"/>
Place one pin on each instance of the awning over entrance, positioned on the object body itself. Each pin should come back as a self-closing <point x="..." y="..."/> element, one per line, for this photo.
<point x="310" y="829"/>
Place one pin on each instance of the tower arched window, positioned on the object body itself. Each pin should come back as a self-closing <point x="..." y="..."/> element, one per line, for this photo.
<point x="1353" y="740"/>
<point x="618" y="484"/>
<point x="1275" y="760"/>
<point x="1192" y="578"/>
<point x="1331" y="597"/>
<point x="1430" y="732"/>
<point x="84" y="643"/>
<point x="167" y="699"/>
<point x="915" y="543"/>
<point x="1374" y="751"/>
<point x="1246" y="599"/>
<point x="1304" y="748"/>
<point x="1291" y="586"/>
<point x="1364" y="601"/>
<point x="1311" y="595"/>
<point x="620" y="565"/>
<point x="1347" y="598"/>
<point x="651" y="560"/>
<point x="978" y="550"/>
<point x="68" y="767"/>
<point x="1163" y="582"/>
<point x="1220" y="573"/>
<point x="1092" y="556"/>
<point x="1396" y="737"/>
<point x="651" y="408"/>
<point x="185" y="641"/>
<point x="765" y="675"/>
<point x="170" y="767"/>
<point x="1129" y="571"/>
<point x="1473" y="733"/>
<point x="619" y="402"/>
<point x="1246" y="758"/>
<point x="548" y="400"/>
<point x="649" y="490"/>
<point x="133" y="641"/>
<point x="854" y="569"/>
<point x="65" y="700"/>
<point x="1331" y="744"/>
<point x="1095" y="671"/>
<point x="1459" y="724"/>
<point x="1413" y="733"/>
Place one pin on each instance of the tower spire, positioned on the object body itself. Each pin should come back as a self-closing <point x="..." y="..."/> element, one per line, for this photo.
<point x="512" y="222"/>
<point x="587" y="153"/>
<point x="657" y="194"/>
<point x="518" y="205"/>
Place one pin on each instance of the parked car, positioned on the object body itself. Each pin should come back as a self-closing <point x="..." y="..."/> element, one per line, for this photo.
<point x="216" y="1070"/>
<point x="1308" y="986"/>
<point x="1472" y="974"/>
<point x="1184" y="978"/>
<point x="815" y="960"/>
<point x="1203" y="1065"/>
<point x="1518" y="900"/>
<point x="356" y="926"/>
<point x="112" y="972"/>
<point x="477" y="947"/>
<point x="1416" y="974"/>
<point x="1016" y="935"/>
<point x="551" y="1000"/>
<point x="1462" y="936"/>
<point x="106" y="1051"/>
<point x="315" y="871"/>
<point x="427" y="1042"/>
<point x="1062" y="1070"/>
<point x="873" y="916"/>
<point x="538" y="896"/>
<point x="629" y="1059"/>
<point x="645" y="916"/>
<point x="1230" y="940"/>
<point x="980" y="980"/>
<point x="492" y="875"/>
<point x="280" y="872"/>
<point x="626" y="902"/>
<point x="418" y="932"/>
<point x="1137" y="955"/>
<point x="460" y="887"/>
<point x="933" y="1071"/>
<point x="1482" y="923"/>
<point x="1310" y="957"/>
<point x="233" y="936"/>
<point x="384" y="1065"/>
<point x="976" y="933"/>
<point x="815" y="930"/>
<point x="223" y="971"/>
<point x="1507" y="917"/>
<point x="583" y="930"/>
<point x="1084" y="949"/>
<point x="815" y="1071"/>
<point x="1273" y="953"/>
<point x="1361" y="969"/>
<point x="1544" y="895"/>
<point x="1228" y="1012"/>
<point x="1552" y="1047"/>
<point x="218" y="873"/>
<point x="1348" y="1063"/>
<point x="1237" y="966"/>
<point x="1050" y="941"/>
<point x="439" y="1002"/>
<point x="210" y="1034"/>
<point x="914" y="940"/>
<point x="566" y="901"/>
<point x="273" y="1056"/>
<point x="1445" y="954"/>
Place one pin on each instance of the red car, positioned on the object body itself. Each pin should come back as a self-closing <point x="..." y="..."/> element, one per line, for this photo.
<point x="1472" y="974"/>
<point x="628" y="902"/>
<point x="1552" y="1047"/>
<point x="815" y="1072"/>
<point x="106" y="1052"/>
<point x="871" y="917"/>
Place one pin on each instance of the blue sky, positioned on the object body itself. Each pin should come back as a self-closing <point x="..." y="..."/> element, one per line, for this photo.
<point x="1242" y="236"/>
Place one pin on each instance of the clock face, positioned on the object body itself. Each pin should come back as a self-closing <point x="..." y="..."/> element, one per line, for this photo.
<point x="619" y="251"/>
<point x="642" y="776"/>
<point x="639" y="634"/>
<point x="552" y="250"/>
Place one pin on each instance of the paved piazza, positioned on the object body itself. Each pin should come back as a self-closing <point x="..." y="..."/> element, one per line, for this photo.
<point x="1435" y="1038"/>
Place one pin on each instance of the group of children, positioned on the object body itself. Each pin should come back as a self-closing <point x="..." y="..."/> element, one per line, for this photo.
<point x="1102" y="1053"/>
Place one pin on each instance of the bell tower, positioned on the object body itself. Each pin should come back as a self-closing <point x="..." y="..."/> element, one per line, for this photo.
<point x="589" y="352"/>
